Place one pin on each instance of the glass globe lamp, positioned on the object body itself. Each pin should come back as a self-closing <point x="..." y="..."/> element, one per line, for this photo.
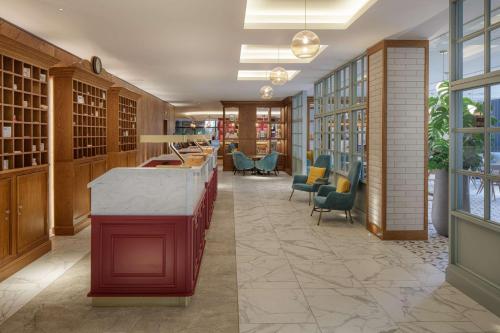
<point x="278" y="76"/>
<point x="266" y="92"/>
<point x="305" y="44"/>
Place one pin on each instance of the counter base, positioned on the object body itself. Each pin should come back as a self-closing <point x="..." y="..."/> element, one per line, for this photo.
<point x="140" y="301"/>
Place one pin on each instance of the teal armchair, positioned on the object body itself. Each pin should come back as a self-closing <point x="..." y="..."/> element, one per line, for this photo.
<point x="268" y="163"/>
<point x="299" y="181"/>
<point x="329" y="199"/>
<point x="242" y="163"/>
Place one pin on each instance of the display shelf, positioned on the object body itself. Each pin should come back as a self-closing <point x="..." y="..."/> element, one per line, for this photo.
<point x="23" y="114"/>
<point x="89" y="120"/>
<point x="127" y="114"/>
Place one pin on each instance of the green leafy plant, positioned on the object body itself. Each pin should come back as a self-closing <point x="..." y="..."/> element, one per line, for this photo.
<point x="439" y="127"/>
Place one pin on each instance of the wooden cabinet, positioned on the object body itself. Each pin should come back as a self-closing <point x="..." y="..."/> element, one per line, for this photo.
<point x="6" y="218"/>
<point x="80" y="135"/>
<point x="24" y="229"/>
<point x="24" y="138"/>
<point x="32" y="205"/>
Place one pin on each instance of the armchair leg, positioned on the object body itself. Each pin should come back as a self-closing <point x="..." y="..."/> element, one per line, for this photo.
<point x="289" y="199"/>
<point x="320" y="213"/>
<point x="350" y="216"/>
<point x="309" y="198"/>
<point x="345" y="211"/>
<point x="312" y="211"/>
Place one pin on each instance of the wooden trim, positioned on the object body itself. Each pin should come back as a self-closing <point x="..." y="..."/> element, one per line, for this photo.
<point x="416" y="43"/>
<point x="374" y="229"/>
<point x="405" y="235"/>
<point x="15" y="49"/>
<point x="375" y="48"/>
<point x="81" y="71"/>
<point x="426" y="138"/>
<point x="367" y="115"/>
<point x="70" y="230"/>
<point x="124" y="92"/>
<point x="25" y="259"/>
<point x="384" y="144"/>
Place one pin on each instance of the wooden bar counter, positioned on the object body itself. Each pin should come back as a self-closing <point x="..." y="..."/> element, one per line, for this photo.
<point x="148" y="231"/>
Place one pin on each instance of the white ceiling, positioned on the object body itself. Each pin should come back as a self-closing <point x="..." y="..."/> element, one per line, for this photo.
<point x="189" y="50"/>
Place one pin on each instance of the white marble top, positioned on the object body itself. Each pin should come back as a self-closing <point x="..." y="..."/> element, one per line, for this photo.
<point x="150" y="191"/>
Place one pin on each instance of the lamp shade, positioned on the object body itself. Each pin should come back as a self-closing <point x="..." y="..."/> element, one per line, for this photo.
<point x="305" y="44"/>
<point x="278" y="76"/>
<point x="266" y="92"/>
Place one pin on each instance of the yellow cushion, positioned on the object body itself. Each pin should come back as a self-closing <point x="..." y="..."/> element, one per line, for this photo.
<point x="343" y="185"/>
<point x="314" y="174"/>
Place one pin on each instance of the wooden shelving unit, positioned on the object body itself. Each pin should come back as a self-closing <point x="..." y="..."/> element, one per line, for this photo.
<point x="24" y="144"/>
<point x="127" y="124"/>
<point x="122" y="127"/>
<point x="89" y="120"/>
<point x="24" y="115"/>
<point x="81" y="140"/>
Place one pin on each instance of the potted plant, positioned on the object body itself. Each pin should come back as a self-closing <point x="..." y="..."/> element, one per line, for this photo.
<point x="439" y="147"/>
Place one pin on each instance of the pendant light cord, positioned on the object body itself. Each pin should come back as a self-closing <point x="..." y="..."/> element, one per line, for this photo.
<point x="305" y="14"/>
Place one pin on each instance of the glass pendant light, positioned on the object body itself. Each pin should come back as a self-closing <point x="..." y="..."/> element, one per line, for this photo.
<point x="266" y="92"/>
<point x="305" y="43"/>
<point x="279" y="75"/>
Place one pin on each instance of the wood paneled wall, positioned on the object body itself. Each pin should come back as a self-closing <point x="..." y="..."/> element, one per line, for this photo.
<point x="151" y="110"/>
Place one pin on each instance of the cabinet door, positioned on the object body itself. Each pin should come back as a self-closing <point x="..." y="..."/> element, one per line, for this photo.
<point x="32" y="227"/>
<point x="82" y="193"/>
<point x="132" y="159"/>
<point x="5" y="218"/>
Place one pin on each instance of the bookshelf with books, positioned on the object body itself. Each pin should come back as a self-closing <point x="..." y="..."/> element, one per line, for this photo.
<point x="122" y="127"/>
<point x="81" y="140"/>
<point x="24" y="144"/>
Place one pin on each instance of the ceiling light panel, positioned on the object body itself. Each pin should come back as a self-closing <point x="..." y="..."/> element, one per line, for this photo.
<point x="289" y="14"/>
<point x="247" y="75"/>
<point x="268" y="54"/>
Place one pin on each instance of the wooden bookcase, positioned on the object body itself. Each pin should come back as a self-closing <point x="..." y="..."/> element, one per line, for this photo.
<point x="80" y="135"/>
<point x="122" y="127"/>
<point x="24" y="135"/>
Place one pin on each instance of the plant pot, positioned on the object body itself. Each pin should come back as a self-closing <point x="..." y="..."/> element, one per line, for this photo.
<point x="440" y="202"/>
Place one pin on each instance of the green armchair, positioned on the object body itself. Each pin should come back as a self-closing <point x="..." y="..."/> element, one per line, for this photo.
<point x="329" y="199"/>
<point x="299" y="181"/>
<point x="268" y="163"/>
<point x="242" y="163"/>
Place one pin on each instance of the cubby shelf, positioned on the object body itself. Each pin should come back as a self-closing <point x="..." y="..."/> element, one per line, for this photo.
<point x="127" y="113"/>
<point x="23" y="114"/>
<point x="89" y="120"/>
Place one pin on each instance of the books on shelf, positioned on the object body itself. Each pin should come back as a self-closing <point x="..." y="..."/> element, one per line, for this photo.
<point x="27" y="72"/>
<point x="5" y="164"/>
<point x="43" y="77"/>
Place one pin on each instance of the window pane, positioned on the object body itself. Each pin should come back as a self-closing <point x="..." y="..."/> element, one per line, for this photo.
<point x="495" y="50"/>
<point x="495" y="106"/>
<point x="473" y="16"/>
<point x="470" y="195"/>
<point x="495" y="154"/>
<point x="473" y="56"/>
<point x="472" y="105"/>
<point x="495" y="11"/>
<point x="472" y="148"/>
<point x="495" y="201"/>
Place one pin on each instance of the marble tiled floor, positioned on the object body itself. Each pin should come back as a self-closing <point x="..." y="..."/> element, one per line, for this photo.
<point x="21" y="287"/>
<point x="295" y="276"/>
<point x="292" y="277"/>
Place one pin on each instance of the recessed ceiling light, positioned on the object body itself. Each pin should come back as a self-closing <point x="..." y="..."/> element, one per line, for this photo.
<point x="61" y="9"/>
<point x="259" y="75"/>
<point x="267" y="54"/>
<point x="289" y="14"/>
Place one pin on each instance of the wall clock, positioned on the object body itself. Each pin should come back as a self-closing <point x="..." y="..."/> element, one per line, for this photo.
<point x="96" y="64"/>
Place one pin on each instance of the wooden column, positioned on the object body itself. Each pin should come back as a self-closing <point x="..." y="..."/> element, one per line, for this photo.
<point x="80" y="112"/>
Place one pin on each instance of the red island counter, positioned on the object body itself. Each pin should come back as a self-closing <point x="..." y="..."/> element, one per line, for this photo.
<point x="148" y="231"/>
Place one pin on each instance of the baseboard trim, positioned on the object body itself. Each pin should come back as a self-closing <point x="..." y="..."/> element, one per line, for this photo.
<point x="25" y="259"/>
<point x="476" y="288"/>
<point x="405" y="235"/>
<point x="72" y="229"/>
